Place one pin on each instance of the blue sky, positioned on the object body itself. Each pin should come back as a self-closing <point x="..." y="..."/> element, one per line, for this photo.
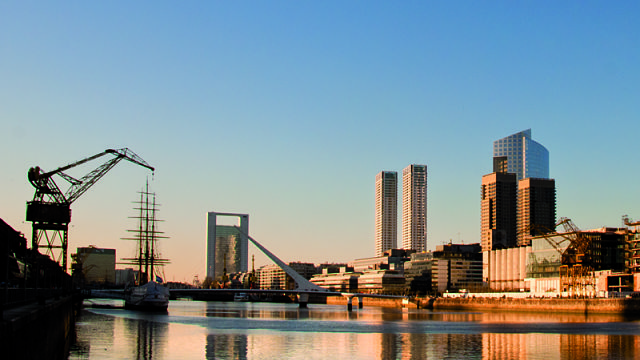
<point x="287" y="110"/>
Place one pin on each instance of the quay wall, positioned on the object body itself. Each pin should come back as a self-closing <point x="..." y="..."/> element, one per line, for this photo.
<point x="42" y="330"/>
<point x="378" y="302"/>
<point x="619" y="306"/>
<point x="630" y="307"/>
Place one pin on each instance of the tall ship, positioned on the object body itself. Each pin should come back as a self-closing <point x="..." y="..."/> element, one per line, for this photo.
<point x="146" y="291"/>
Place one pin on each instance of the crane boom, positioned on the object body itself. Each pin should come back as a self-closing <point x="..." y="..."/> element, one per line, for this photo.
<point x="50" y="209"/>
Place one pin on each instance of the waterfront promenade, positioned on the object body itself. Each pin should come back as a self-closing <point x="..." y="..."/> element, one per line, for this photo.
<point x="39" y="330"/>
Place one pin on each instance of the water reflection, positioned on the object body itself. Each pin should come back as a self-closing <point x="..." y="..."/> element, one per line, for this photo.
<point x="226" y="347"/>
<point x="197" y="330"/>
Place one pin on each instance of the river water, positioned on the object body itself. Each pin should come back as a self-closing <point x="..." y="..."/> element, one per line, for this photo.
<point x="235" y="330"/>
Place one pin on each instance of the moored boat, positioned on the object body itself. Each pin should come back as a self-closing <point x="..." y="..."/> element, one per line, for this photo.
<point x="151" y="296"/>
<point x="241" y="297"/>
<point x="147" y="294"/>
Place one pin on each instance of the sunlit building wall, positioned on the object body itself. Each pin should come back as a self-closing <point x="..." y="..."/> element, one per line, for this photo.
<point x="381" y="282"/>
<point x="506" y="269"/>
<point x="344" y="281"/>
<point x="414" y="208"/>
<point x="536" y="214"/>
<point x="227" y="245"/>
<point x="386" y="221"/>
<point x="498" y="211"/>
<point x="273" y="277"/>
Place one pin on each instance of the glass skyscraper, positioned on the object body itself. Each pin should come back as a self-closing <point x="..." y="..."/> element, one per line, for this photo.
<point x="227" y="245"/>
<point x="521" y="155"/>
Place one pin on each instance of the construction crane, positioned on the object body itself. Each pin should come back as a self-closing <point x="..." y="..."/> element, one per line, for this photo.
<point x="50" y="209"/>
<point x="633" y="244"/>
<point x="578" y="261"/>
<point x="577" y="264"/>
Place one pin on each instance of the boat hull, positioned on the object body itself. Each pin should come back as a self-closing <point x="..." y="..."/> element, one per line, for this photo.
<point x="149" y="297"/>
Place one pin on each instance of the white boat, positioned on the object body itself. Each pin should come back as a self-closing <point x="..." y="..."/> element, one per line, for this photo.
<point x="150" y="296"/>
<point x="241" y="297"/>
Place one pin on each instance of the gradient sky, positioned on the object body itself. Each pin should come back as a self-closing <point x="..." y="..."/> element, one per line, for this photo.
<point x="287" y="110"/>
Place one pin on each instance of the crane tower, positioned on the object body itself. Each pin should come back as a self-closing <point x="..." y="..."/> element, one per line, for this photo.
<point x="50" y="210"/>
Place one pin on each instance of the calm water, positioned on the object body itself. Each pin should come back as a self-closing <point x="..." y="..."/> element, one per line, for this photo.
<point x="228" y="330"/>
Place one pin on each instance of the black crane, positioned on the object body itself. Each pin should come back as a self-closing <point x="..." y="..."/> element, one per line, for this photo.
<point x="50" y="209"/>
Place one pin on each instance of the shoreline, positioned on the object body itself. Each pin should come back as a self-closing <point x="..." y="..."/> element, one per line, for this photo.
<point x="627" y="307"/>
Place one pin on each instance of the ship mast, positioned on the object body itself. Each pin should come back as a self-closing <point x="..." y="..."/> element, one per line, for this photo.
<point x="146" y="235"/>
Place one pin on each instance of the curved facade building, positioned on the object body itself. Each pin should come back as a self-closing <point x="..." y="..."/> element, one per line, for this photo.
<point x="521" y="155"/>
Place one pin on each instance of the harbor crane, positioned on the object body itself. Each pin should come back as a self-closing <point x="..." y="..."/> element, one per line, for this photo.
<point x="577" y="263"/>
<point x="50" y="210"/>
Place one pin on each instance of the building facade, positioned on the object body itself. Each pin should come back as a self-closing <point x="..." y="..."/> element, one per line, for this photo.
<point x="418" y="273"/>
<point x="98" y="265"/>
<point x="414" y="208"/>
<point x="386" y="222"/>
<point x="227" y="245"/>
<point x="521" y="155"/>
<point x="498" y="215"/>
<point x="536" y="213"/>
<point x="506" y="269"/>
<point x="272" y="277"/>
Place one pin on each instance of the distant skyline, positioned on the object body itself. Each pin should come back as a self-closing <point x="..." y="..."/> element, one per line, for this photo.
<point x="287" y="111"/>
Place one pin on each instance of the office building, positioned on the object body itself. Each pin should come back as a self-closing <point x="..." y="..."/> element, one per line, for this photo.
<point x="414" y="208"/>
<point x="498" y="216"/>
<point x="521" y="155"/>
<point x="275" y="278"/>
<point x="227" y="245"/>
<point x="98" y="265"/>
<point x="386" y="232"/>
<point x="536" y="214"/>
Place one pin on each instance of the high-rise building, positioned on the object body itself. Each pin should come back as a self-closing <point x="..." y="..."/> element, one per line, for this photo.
<point x="227" y="245"/>
<point x="536" y="208"/>
<point x="498" y="211"/>
<point x="521" y="155"/>
<point x="386" y="232"/>
<point x="414" y="208"/>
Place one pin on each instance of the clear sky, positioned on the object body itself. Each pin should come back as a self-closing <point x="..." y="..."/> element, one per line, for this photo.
<point x="286" y="110"/>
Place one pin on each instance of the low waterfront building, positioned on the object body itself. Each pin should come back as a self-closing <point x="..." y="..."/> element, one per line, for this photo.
<point x="418" y="272"/>
<point x="381" y="282"/>
<point x="392" y="259"/>
<point x="506" y="269"/>
<point x="345" y="280"/>
<point x="329" y="267"/>
<point x="273" y="277"/>
<point x="456" y="274"/>
<point x="559" y="263"/>
<point x="456" y="266"/>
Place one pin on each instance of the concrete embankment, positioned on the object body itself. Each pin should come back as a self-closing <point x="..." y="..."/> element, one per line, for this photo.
<point x="379" y="302"/>
<point x="593" y="306"/>
<point x="39" y="330"/>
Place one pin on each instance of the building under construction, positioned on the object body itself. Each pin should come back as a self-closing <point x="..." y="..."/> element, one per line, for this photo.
<point x="571" y="262"/>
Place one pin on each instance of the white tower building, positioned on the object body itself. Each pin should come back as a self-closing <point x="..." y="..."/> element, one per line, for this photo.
<point x="386" y="232"/>
<point x="414" y="208"/>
